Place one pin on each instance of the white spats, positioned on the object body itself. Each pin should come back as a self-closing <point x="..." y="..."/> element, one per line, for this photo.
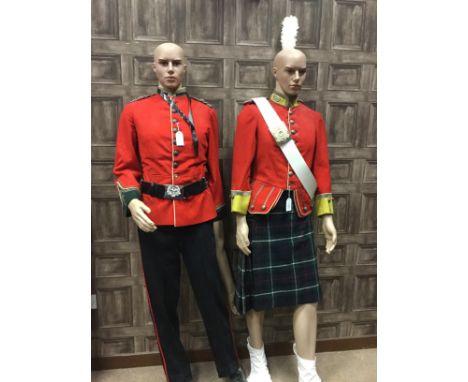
<point x="258" y="365"/>
<point x="306" y="369"/>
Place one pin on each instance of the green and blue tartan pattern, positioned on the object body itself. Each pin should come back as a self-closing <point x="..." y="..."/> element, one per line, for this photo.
<point x="282" y="269"/>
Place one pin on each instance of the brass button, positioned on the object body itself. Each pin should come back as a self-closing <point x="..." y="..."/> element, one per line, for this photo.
<point x="174" y="129"/>
<point x="305" y="208"/>
<point x="290" y="173"/>
<point x="176" y="175"/>
<point x="176" y="152"/>
<point x="292" y="122"/>
<point x="263" y="207"/>
<point x="174" y="120"/>
<point x="290" y="112"/>
<point x="293" y="132"/>
<point x="175" y="164"/>
<point x="251" y="206"/>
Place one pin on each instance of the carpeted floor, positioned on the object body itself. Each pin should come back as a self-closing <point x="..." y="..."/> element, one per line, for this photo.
<point x="342" y="366"/>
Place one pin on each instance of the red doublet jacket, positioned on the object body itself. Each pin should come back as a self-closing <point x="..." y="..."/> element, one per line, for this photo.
<point x="146" y="150"/>
<point x="260" y="171"/>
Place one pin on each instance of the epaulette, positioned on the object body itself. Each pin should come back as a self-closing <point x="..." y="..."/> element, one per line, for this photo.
<point x="142" y="97"/>
<point x="249" y="101"/>
<point x="202" y="101"/>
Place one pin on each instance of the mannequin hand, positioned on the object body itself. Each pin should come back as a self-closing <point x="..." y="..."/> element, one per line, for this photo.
<point x="138" y="209"/>
<point x="330" y="233"/>
<point x="242" y="234"/>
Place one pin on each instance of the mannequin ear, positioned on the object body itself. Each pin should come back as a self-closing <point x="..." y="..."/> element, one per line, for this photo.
<point x="274" y="70"/>
<point x="153" y="66"/>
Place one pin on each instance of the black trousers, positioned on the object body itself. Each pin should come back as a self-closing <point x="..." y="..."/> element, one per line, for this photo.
<point x="161" y="252"/>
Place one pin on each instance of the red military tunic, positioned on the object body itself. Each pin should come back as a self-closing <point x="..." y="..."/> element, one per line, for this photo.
<point x="260" y="171"/>
<point x="146" y="150"/>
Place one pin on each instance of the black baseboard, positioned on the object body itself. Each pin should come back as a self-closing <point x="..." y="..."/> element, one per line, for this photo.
<point x="276" y="349"/>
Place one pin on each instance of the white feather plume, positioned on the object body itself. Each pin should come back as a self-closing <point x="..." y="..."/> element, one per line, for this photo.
<point x="289" y="32"/>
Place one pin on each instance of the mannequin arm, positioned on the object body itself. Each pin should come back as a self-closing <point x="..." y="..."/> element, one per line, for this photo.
<point x="242" y="234"/>
<point x="223" y="264"/>
<point x="330" y="233"/>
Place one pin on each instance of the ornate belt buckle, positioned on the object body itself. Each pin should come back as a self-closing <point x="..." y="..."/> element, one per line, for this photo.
<point x="173" y="191"/>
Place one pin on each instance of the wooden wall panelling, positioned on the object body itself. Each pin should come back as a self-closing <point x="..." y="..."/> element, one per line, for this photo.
<point x="308" y="13"/>
<point x="310" y="82"/>
<point x="204" y="21"/>
<point x="117" y="346"/>
<point x="363" y="328"/>
<point x="105" y="113"/>
<point x="370" y="32"/>
<point x="370" y="172"/>
<point x="341" y="118"/>
<point x="253" y="22"/>
<point x="108" y="221"/>
<point x="369" y="75"/>
<point x="368" y="222"/>
<point x="344" y="77"/>
<point x="253" y="74"/>
<point x="326" y="24"/>
<point x="151" y="20"/>
<point x="372" y="126"/>
<point x="348" y="24"/>
<point x="143" y="73"/>
<point x="105" y="20"/>
<point x="365" y="291"/>
<point x="205" y="72"/>
<point x="106" y="69"/>
<point x="341" y="170"/>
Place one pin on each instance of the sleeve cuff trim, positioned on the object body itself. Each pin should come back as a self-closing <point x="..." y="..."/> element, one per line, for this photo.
<point x="240" y="203"/>
<point x="242" y="193"/>
<point x="324" y="204"/>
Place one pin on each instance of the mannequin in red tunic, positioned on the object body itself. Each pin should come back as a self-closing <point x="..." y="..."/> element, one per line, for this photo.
<point x="261" y="181"/>
<point x="167" y="174"/>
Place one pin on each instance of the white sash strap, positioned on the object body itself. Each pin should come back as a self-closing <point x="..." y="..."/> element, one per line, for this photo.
<point x="287" y="145"/>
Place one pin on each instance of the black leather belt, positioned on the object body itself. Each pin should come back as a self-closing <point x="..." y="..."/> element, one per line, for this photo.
<point x="174" y="191"/>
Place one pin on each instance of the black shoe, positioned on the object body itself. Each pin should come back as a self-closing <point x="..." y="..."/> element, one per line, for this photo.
<point x="238" y="376"/>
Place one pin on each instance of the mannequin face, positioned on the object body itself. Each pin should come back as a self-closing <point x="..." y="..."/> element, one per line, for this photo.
<point x="289" y="69"/>
<point x="169" y="66"/>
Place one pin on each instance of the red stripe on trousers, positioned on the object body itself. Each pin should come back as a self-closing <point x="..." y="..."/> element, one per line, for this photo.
<point x="156" y="331"/>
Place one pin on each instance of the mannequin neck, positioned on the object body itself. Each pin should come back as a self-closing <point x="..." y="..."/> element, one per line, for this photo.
<point x="282" y="99"/>
<point x="172" y="92"/>
<point x="290" y="98"/>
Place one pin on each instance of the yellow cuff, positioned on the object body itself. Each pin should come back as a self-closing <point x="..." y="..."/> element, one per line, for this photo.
<point x="240" y="203"/>
<point x="324" y="204"/>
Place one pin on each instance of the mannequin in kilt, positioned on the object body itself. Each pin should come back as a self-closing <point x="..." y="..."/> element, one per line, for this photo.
<point x="277" y="262"/>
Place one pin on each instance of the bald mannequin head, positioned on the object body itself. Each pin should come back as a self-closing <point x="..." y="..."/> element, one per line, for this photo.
<point x="169" y="65"/>
<point x="289" y="69"/>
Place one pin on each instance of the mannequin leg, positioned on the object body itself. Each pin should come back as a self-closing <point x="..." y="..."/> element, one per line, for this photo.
<point x="305" y="333"/>
<point x="305" y="330"/>
<point x="258" y="362"/>
<point x="254" y="322"/>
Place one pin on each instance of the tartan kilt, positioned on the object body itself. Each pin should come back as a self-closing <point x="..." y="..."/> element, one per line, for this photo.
<point x="282" y="269"/>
